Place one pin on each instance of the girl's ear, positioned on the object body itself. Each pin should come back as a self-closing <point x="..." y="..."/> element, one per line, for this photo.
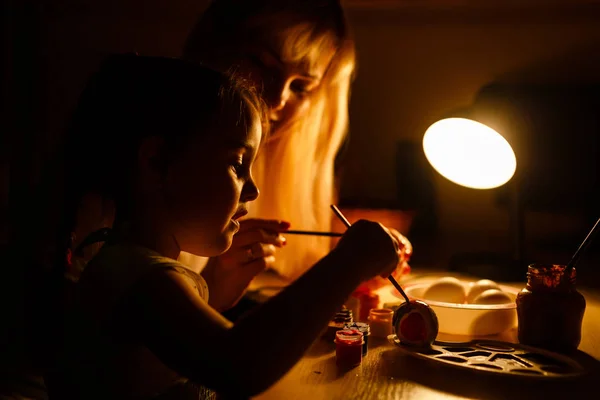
<point x="152" y="163"/>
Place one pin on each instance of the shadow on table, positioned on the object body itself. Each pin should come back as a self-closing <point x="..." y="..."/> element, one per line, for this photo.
<point x="320" y="348"/>
<point x="473" y="384"/>
<point x="326" y="371"/>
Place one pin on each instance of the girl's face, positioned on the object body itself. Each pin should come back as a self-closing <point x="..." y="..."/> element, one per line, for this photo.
<point x="289" y="81"/>
<point x="209" y="187"/>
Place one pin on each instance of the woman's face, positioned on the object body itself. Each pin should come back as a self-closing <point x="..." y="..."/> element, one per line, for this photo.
<point x="289" y="86"/>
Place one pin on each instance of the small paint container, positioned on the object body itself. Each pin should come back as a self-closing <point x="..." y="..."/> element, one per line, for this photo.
<point x="337" y="322"/>
<point x="342" y="317"/>
<point x="348" y="347"/>
<point x="363" y="328"/>
<point x="368" y="301"/>
<point x="380" y="322"/>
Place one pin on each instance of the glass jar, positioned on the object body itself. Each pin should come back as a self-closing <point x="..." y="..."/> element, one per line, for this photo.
<point x="550" y="309"/>
<point x="380" y="322"/>
<point x="348" y="347"/>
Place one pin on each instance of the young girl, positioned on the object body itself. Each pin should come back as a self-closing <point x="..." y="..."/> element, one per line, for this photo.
<point x="172" y="144"/>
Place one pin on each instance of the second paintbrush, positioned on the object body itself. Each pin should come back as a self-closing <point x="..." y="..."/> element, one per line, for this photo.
<point x="312" y="233"/>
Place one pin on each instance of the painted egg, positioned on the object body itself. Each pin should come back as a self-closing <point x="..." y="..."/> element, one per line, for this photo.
<point x="492" y="296"/>
<point x="476" y="288"/>
<point x="447" y="290"/>
<point x="416" y="324"/>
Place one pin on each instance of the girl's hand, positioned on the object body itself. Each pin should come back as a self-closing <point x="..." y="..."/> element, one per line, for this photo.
<point x="371" y="247"/>
<point x="404" y="253"/>
<point x="252" y="251"/>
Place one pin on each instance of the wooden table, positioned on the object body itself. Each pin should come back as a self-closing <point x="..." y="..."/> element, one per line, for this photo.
<point x="388" y="373"/>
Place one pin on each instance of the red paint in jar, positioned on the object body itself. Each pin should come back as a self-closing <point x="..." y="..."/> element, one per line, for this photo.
<point x="368" y="301"/>
<point x="348" y="347"/>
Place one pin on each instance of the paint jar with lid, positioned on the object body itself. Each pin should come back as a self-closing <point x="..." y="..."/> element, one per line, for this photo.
<point x="363" y="328"/>
<point x="550" y="309"/>
<point x="380" y="322"/>
<point x="341" y="318"/>
<point x="337" y="322"/>
<point x="348" y="348"/>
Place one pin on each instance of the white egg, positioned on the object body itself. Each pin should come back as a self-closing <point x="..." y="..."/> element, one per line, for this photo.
<point x="447" y="289"/>
<point x="476" y="288"/>
<point x="492" y="296"/>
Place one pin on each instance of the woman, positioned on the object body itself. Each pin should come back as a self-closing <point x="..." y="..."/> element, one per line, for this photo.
<point x="302" y="56"/>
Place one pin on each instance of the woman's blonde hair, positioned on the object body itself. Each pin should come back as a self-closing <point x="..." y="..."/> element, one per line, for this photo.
<point x="295" y="169"/>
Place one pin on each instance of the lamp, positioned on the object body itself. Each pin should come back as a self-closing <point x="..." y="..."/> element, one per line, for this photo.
<point x="471" y="154"/>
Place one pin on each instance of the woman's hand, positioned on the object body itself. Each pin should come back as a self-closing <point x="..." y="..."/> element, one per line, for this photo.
<point x="252" y="251"/>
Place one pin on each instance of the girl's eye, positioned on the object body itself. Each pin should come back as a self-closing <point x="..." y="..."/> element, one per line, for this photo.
<point x="301" y="87"/>
<point x="239" y="168"/>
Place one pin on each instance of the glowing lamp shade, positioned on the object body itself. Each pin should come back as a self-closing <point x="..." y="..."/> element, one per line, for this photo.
<point x="469" y="153"/>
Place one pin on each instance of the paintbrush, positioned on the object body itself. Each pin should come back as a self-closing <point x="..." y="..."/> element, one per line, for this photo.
<point x="581" y="249"/>
<point x="313" y="233"/>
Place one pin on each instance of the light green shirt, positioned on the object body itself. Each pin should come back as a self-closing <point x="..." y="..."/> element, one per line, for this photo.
<point x="99" y="360"/>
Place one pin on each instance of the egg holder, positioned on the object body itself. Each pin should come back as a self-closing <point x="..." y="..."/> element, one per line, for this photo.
<point x="489" y="356"/>
<point x="468" y="319"/>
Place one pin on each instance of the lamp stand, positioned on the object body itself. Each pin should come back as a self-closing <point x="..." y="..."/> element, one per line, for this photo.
<point x="517" y="223"/>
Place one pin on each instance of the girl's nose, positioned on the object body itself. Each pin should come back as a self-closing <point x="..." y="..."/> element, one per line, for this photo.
<point x="250" y="191"/>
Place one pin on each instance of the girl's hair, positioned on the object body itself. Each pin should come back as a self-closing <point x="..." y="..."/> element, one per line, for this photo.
<point x="296" y="167"/>
<point x="131" y="98"/>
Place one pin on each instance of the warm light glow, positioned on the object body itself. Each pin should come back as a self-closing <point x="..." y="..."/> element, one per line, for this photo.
<point x="469" y="153"/>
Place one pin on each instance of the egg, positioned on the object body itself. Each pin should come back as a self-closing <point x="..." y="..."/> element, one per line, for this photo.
<point x="492" y="296"/>
<point x="416" y="324"/>
<point x="447" y="289"/>
<point x="476" y="288"/>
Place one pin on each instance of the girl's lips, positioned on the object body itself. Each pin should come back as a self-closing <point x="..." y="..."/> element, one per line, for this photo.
<point x="239" y="214"/>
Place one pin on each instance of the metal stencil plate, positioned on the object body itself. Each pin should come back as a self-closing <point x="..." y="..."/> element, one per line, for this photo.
<point x="498" y="357"/>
